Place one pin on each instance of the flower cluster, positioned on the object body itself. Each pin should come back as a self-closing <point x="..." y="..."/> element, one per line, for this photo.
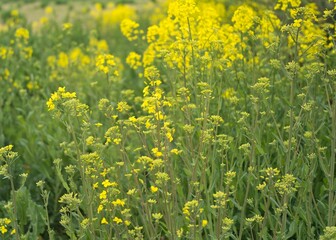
<point x="106" y="63"/>
<point x="63" y="101"/>
<point x="130" y="29"/>
<point x="4" y="224"/>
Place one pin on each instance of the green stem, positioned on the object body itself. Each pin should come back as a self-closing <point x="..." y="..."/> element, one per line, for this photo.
<point x="291" y="101"/>
<point x="291" y="123"/>
<point x="45" y="196"/>
<point x="332" y="168"/>
<point x="86" y="190"/>
<point x="242" y="218"/>
<point x="284" y="217"/>
<point x="16" y="226"/>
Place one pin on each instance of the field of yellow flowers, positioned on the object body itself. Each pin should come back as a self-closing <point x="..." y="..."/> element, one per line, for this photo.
<point x="177" y="119"/>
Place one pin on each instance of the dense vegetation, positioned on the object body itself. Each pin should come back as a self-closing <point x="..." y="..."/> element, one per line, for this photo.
<point x="169" y="120"/>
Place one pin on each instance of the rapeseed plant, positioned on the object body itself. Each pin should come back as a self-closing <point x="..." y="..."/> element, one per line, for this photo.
<point x="206" y="120"/>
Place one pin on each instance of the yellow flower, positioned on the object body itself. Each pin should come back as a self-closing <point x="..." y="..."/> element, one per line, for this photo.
<point x="204" y="223"/>
<point x="152" y="33"/>
<point x="3" y="230"/>
<point x="61" y="93"/>
<point x="89" y="140"/>
<point x="228" y="93"/>
<point x="22" y="33"/>
<point x="105" y="63"/>
<point x="5" y="53"/>
<point x="129" y="29"/>
<point x="261" y="186"/>
<point x="104" y="221"/>
<point x="179" y="232"/>
<point x="297" y="23"/>
<point x="283" y="4"/>
<point x="63" y="60"/>
<point x="175" y="151"/>
<point x="154" y="189"/>
<point x="67" y="26"/>
<point x="157" y="216"/>
<point x="127" y="223"/>
<point x="14" y="13"/>
<point x="148" y="124"/>
<point x="131" y="191"/>
<point x="152" y="201"/>
<point x="169" y="136"/>
<point x="243" y="18"/>
<point x="48" y="10"/>
<point x="133" y="60"/>
<point x="117" y="220"/>
<point x="100" y="46"/>
<point x="190" y="207"/>
<point x="118" y="202"/>
<point x="156" y="152"/>
<point x="100" y="208"/>
<point x="107" y="183"/>
<point x="123" y="107"/>
<point x="50" y="105"/>
<point x="68" y="95"/>
<point x="102" y="195"/>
